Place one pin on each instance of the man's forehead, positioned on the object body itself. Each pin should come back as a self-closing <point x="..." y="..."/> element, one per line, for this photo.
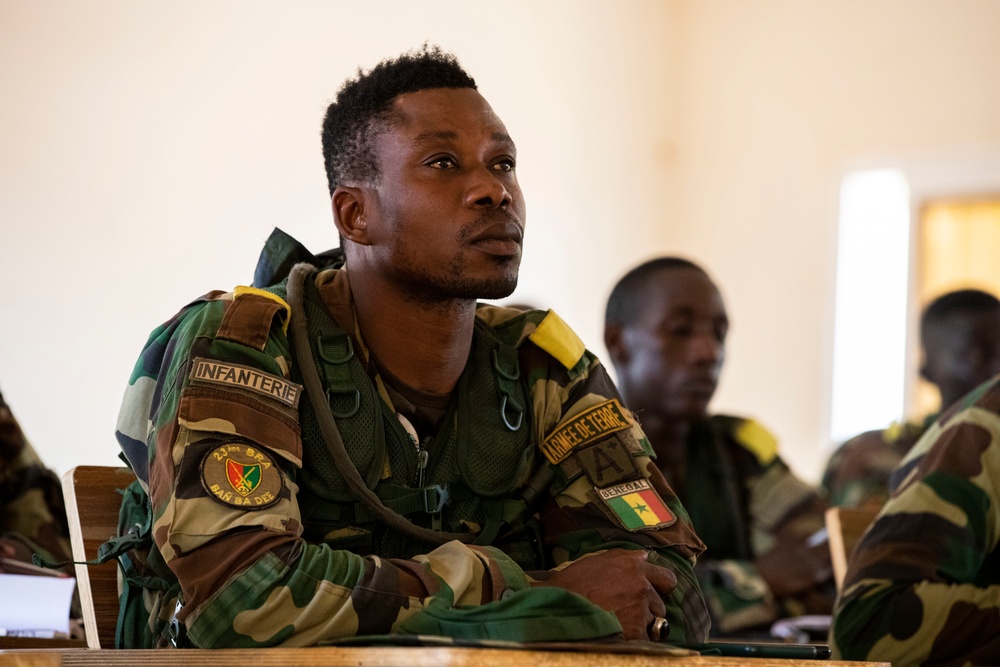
<point x="685" y="291"/>
<point x="437" y="136"/>
<point x="441" y="114"/>
<point x="683" y="281"/>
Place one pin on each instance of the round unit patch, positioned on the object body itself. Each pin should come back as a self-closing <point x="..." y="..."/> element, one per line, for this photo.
<point x="241" y="476"/>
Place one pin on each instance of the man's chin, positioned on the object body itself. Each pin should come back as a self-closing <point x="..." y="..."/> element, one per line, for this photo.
<point x="692" y="410"/>
<point x="498" y="289"/>
<point x="494" y="287"/>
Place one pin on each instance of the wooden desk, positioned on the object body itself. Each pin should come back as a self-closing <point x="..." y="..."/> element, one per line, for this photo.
<point x="381" y="657"/>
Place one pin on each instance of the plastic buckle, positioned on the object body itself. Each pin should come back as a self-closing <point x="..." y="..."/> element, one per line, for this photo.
<point x="435" y="498"/>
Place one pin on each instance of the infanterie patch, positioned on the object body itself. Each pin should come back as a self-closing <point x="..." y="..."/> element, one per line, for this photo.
<point x="607" y="462"/>
<point x="585" y="428"/>
<point x="240" y="476"/>
<point x="637" y="506"/>
<point x="211" y="371"/>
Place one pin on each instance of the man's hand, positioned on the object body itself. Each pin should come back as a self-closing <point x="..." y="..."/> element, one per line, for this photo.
<point x="620" y="581"/>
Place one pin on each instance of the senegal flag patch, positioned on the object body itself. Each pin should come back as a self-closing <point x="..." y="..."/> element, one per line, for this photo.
<point x="637" y="506"/>
<point x="241" y="476"/>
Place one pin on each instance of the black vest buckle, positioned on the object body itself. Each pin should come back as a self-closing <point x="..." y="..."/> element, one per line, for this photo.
<point x="435" y="498"/>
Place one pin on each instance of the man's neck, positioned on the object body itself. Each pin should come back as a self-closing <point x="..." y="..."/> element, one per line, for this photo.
<point x="424" y="345"/>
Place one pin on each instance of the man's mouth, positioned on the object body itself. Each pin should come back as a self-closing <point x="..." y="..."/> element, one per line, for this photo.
<point x="700" y="387"/>
<point x="500" y="239"/>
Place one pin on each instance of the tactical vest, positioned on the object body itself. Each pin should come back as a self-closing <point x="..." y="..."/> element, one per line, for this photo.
<point x="466" y="478"/>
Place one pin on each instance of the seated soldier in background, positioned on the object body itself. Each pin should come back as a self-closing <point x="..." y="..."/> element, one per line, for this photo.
<point x="923" y="585"/>
<point x="665" y="330"/>
<point x="960" y="337"/>
<point x="32" y="513"/>
<point x="354" y="447"/>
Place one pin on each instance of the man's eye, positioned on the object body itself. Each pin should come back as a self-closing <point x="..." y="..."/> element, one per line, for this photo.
<point x="504" y="165"/>
<point x="443" y="162"/>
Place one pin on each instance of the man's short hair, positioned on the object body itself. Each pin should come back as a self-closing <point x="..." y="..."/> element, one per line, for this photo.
<point x="363" y="109"/>
<point x="966" y="301"/>
<point x="629" y="296"/>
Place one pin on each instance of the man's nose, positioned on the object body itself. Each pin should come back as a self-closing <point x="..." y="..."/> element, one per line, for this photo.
<point x="487" y="190"/>
<point x="706" y="348"/>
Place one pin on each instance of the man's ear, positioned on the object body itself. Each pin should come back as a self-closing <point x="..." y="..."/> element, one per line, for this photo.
<point x="349" y="213"/>
<point x="617" y="349"/>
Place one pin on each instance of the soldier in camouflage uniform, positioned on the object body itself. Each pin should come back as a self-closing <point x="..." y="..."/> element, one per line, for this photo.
<point x="361" y="450"/>
<point x="32" y="513"/>
<point x="923" y="586"/>
<point x="960" y="334"/>
<point x="665" y="329"/>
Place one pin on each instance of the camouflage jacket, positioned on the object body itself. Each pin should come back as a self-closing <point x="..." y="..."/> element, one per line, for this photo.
<point x="32" y="512"/>
<point x="923" y="585"/>
<point x="742" y="498"/>
<point x="858" y="474"/>
<point x="247" y="575"/>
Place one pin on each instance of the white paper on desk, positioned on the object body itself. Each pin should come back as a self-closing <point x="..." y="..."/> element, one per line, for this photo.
<point x="30" y="603"/>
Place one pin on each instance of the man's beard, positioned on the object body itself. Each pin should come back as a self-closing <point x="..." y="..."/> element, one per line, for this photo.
<point x="455" y="284"/>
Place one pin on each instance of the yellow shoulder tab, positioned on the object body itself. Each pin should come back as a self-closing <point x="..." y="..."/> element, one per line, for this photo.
<point x="245" y="290"/>
<point x="555" y="337"/>
<point x="757" y="440"/>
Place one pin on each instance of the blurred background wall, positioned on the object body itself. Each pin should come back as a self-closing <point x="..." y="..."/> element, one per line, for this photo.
<point x="148" y="148"/>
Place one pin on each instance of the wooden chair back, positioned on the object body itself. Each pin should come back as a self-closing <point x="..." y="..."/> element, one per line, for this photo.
<point x="844" y="527"/>
<point x="92" y="504"/>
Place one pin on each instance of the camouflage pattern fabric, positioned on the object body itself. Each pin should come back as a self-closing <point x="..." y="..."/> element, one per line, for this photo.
<point x="858" y="474"/>
<point x="923" y="586"/>
<point x="32" y="512"/>
<point x="247" y="576"/>
<point x="743" y="499"/>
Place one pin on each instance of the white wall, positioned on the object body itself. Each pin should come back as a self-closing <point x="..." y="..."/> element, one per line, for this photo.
<point x="781" y="98"/>
<point x="147" y="148"/>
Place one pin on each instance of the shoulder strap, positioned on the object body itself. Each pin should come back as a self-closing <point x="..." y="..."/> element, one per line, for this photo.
<point x="555" y="337"/>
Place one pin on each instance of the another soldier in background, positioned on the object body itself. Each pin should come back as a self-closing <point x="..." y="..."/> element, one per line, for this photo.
<point x="923" y="586"/>
<point x="32" y="513"/>
<point x="665" y="329"/>
<point x="445" y="465"/>
<point x="960" y="335"/>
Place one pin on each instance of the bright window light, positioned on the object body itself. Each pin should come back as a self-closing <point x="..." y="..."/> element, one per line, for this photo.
<point x="870" y="317"/>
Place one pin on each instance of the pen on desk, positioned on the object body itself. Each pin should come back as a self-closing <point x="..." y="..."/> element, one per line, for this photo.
<point x="765" y="650"/>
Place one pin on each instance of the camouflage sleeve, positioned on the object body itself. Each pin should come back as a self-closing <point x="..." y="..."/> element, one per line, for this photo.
<point x="857" y="474"/>
<point x="922" y="586"/>
<point x="607" y="492"/>
<point x="209" y="420"/>
<point x="32" y="512"/>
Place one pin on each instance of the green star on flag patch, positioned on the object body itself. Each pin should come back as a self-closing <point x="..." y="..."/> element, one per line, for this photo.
<point x="637" y="506"/>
